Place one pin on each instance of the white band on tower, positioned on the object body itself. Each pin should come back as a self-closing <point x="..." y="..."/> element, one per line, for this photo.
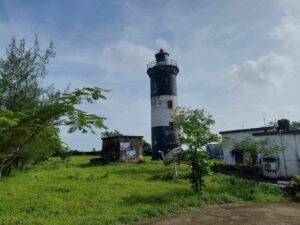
<point x="162" y="108"/>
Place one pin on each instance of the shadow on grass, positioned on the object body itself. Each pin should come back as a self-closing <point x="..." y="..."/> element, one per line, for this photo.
<point x="242" y="173"/>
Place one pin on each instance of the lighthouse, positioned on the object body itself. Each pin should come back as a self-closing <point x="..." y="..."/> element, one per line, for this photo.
<point x="162" y="73"/>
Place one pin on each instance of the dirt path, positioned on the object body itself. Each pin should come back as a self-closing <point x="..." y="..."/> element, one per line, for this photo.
<point x="286" y="213"/>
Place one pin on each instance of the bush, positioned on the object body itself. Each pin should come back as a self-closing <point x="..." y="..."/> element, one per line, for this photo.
<point x="293" y="187"/>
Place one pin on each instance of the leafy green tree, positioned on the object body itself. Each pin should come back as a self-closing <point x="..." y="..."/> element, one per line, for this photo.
<point x="295" y="125"/>
<point x="21" y="73"/>
<point x="194" y="133"/>
<point x="293" y="187"/>
<point x="147" y="148"/>
<point x="111" y="133"/>
<point x="250" y="149"/>
<point x="36" y="127"/>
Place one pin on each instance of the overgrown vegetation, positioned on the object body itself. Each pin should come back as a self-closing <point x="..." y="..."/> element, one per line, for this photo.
<point x="194" y="133"/>
<point x="147" y="148"/>
<point x="107" y="133"/>
<point x="23" y="132"/>
<point x="293" y="187"/>
<point x="251" y="149"/>
<point x="73" y="192"/>
<point x="22" y="71"/>
<point x="30" y="114"/>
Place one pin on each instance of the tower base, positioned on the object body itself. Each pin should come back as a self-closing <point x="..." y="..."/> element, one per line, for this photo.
<point x="164" y="139"/>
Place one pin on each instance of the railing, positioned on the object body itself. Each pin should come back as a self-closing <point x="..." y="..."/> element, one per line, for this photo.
<point x="165" y="62"/>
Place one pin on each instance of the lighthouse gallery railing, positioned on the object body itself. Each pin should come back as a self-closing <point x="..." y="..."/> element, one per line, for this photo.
<point x="165" y="62"/>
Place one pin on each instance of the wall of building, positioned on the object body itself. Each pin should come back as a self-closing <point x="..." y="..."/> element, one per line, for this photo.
<point x="136" y="144"/>
<point x="288" y="160"/>
<point x="123" y="148"/>
<point x="229" y="140"/>
<point x="288" y="163"/>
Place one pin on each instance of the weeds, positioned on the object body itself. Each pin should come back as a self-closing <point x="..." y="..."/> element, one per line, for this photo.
<point x="116" y="193"/>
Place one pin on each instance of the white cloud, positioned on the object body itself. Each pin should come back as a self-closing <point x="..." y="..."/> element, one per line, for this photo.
<point x="291" y="7"/>
<point x="207" y="38"/>
<point x="289" y="32"/>
<point x="270" y="71"/>
<point x="123" y="58"/>
<point x="268" y="87"/>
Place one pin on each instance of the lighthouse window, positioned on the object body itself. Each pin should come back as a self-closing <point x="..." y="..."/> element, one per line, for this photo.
<point x="170" y="105"/>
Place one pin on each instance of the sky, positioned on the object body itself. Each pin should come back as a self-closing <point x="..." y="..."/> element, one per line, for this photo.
<point x="239" y="60"/>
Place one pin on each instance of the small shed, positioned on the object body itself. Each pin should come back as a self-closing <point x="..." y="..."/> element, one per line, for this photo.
<point x="123" y="148"/>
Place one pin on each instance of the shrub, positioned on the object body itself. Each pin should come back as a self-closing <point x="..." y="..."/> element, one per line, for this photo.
<point x="293" y="187"/>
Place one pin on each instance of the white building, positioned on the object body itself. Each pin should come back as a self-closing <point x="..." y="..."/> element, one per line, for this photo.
<point x="284" y="164"/>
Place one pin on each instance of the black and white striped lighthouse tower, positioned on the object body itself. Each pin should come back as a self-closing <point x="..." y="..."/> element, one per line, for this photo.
<point x="162" y="73"/>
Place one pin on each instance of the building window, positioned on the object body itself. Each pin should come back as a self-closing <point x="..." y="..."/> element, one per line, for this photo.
<point x="170" y="105"/>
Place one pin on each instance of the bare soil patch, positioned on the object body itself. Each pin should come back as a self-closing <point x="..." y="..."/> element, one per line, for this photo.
<point x="283" y="213"/>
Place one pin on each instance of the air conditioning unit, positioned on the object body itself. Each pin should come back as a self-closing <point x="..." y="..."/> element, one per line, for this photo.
<point x="270" y="166"/>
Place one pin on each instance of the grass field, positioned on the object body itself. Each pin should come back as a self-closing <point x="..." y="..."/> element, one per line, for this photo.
<point x="75" y="192"/>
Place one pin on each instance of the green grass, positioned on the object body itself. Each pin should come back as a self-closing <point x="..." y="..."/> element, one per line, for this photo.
<point x="75" y="192"/>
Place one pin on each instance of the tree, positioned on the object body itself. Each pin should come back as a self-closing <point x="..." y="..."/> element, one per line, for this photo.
<point x="21" y="73"/>
<point x="250" y="149"/>
<point x="36" y="127"/>
<point x="194" y="133"/>
<point x="111" y="133"/>
<point x="295" y="125"/>
<point x="147" y="148"/>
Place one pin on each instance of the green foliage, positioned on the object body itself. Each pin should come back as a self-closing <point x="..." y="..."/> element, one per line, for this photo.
<point x="28" y="131"/>
<point x="295" y="125"/>
<point x="250" y="150"/>
<point x="194" y="127"/>
<point x="30" y="113"/>
<point x="21" y="72"/>
<point x="194" y="133"/>
<point x="293" y="186"/>
<point x="147" y="148"/>
<point x="120" y="193"/>
<point x="111" y="133"/>
<point x="200" y="167"/>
